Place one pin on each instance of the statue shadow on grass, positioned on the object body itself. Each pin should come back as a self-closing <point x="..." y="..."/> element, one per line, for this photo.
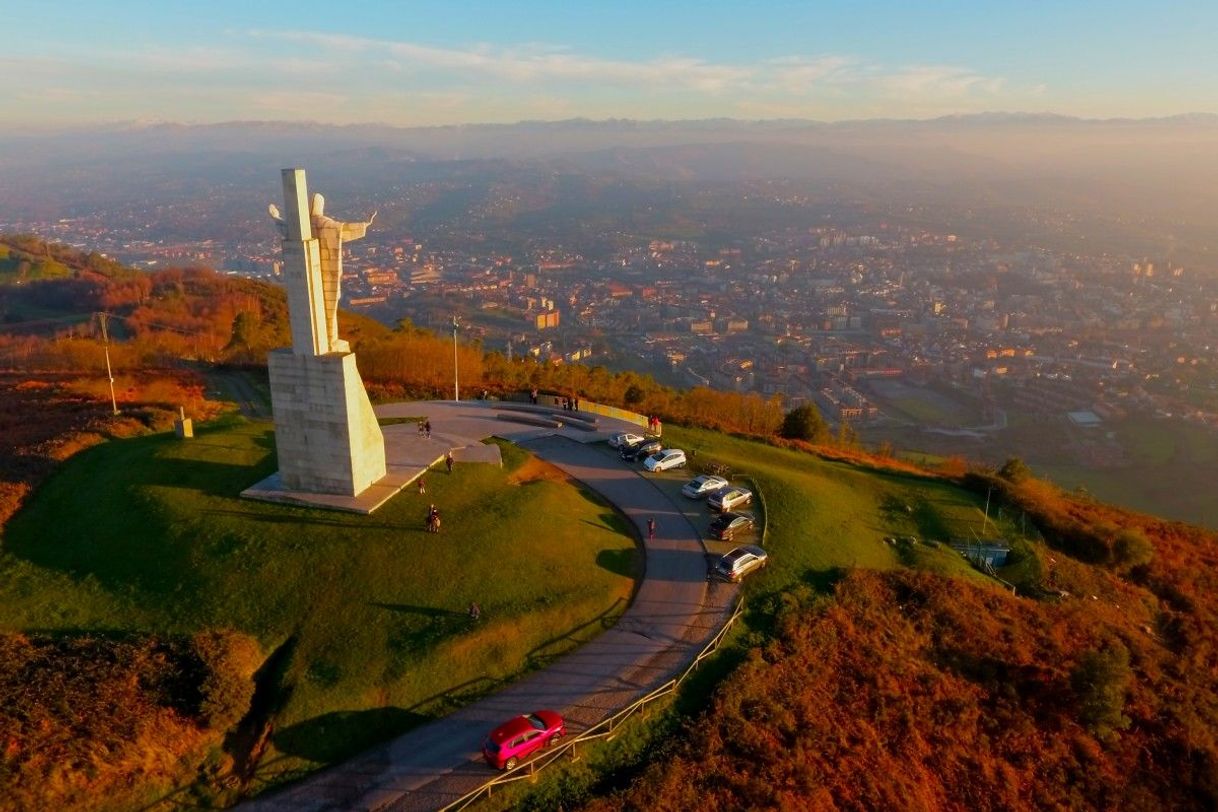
<point x="619" y="562"/>
<point x="337" y="735"/>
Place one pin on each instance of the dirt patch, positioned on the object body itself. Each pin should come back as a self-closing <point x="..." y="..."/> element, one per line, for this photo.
<point x="536" y="470"/>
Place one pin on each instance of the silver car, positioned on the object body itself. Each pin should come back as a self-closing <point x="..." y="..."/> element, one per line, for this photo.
<point x="740" y="562"/>
<point x="730" y="499"/>
<point x="704" y="485"/>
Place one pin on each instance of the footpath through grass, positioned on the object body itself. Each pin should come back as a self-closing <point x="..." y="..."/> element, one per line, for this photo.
<point x="368" y="613"/>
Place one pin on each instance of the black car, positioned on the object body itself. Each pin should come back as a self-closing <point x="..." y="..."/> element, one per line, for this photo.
<point x="641" y="451"/>
<point x="728" y="525"/>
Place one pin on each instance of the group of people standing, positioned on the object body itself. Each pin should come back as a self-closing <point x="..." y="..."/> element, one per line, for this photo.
<point x="425" y="428"/>
<point x="653" y="425"/>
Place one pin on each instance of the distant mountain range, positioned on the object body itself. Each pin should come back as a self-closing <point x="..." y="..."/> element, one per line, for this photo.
<point x="1158" y="176"/>
<point x="548" y="138"/>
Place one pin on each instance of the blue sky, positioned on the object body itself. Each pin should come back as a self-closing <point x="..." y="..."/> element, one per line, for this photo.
<point x="419" y="63"/>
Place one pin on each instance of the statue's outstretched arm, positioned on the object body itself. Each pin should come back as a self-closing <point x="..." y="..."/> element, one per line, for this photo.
<point x="278" y="218"/>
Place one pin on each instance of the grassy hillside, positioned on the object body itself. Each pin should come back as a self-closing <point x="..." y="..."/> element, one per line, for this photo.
<point x="911" y="691"/>
<point x="859" y="683"/>
<point x="824" y="515"/>
<point x="365" y="617"/>
<point x="18" y="267"/>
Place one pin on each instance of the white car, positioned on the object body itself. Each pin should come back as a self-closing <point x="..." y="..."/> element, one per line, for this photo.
<point x="664" y="460"/>
<point x="701" y="486"/>
<point x="619" y="440"/>
<point x="729" y="499"/>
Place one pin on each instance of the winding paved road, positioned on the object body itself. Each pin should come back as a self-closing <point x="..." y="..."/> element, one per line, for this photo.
<point x="674" y="612"/>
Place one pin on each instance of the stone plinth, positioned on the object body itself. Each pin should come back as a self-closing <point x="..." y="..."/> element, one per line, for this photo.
<point x="326" y="434"/>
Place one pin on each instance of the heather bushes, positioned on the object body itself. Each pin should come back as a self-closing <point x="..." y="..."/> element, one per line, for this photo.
<point x="229" y="661"/>
<point x="89" y="717"/>
<point x="915" y="691"/>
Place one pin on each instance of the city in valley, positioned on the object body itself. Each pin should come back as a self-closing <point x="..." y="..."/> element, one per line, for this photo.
<point x="942" y="321"/>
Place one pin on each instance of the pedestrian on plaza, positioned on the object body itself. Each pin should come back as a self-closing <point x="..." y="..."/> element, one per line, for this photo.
<point x="423" y="487"/>
<point x="533" y="397"/>
<point x="420" y="428"/>
<point x="448" y="461"/>
<point x="427" y="428"/>
<point x="575" y="404"/>
<point x="651" y="528"/>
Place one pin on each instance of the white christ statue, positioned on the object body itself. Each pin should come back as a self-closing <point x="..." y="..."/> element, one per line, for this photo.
<point x="330" y="235"/>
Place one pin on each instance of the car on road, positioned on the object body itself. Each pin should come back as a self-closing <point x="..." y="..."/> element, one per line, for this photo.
<point x="730" y="499"/>
<point x="665" y="460"/>
<point x="518" y="738"/>
<point x="642" y="450"/>
<point x="625" y="439"/>
<point x="727" y="526"/>
<point x="702" y="486"/>
<point x="740" y="562"/>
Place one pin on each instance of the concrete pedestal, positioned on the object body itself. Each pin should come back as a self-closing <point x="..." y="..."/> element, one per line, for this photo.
<point x="326" y="433"/>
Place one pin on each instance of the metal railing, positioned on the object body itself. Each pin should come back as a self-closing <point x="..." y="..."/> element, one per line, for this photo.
<point x="606" y="728"/>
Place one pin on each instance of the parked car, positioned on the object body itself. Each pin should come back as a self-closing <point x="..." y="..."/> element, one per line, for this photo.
<point x="702" y="486"/>
<point x="515" y="739"/>
<point x="728" y="525"/>
<point x="740" y="562"/>
<point x="625" y="439"/>
<point x="642" y="450"/>
<point x="730" y="499"/>
<point x="665" y="460"/>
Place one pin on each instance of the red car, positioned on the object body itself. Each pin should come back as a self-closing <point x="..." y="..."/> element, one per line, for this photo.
<point x="517" y="738"/>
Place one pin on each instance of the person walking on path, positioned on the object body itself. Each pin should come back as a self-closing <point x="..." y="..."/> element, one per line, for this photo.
<point x="533" y="397"/>
<point x="448" y="461"/>
<point x="427" y="428"/>
<point x="423" y="487"/>
<point x="651" y="528"/>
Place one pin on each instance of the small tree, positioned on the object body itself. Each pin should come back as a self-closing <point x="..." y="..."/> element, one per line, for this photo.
<point x="1100" y="681"/>
<point x="1132" y="549"/>
<point x="804" y="423"/>
<point x="229" y="661"/>
<point x="1015" y="470"/>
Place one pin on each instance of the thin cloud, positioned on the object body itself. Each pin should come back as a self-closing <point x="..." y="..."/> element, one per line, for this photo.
<point x="538" y="64"/>
<point x="535" y="63"/>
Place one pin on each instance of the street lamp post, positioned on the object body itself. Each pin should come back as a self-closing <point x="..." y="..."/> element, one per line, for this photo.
<point x="456" y="389"/>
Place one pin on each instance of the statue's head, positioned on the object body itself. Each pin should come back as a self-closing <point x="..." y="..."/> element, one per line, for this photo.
<point x="317" y="206"/>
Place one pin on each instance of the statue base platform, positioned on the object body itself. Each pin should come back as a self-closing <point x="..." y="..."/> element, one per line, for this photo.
<point x="326" y="434"/>
<point x="378" y="493"/>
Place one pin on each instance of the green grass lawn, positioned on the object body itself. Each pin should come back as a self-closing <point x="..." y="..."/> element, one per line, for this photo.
<point x="368" y="612"/>
<point x="1164" y="474"/>
<point x="823" y="515"/>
